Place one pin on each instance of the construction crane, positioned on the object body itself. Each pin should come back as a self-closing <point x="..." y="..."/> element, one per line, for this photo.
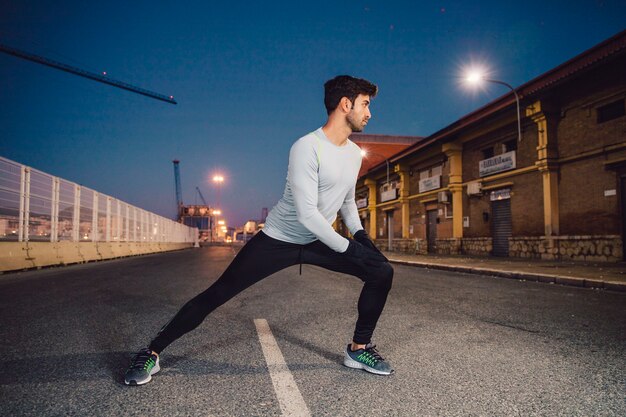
<point x="202" y="197"/>
<point x="179" y="195"/>
<point x="77" y="71"/>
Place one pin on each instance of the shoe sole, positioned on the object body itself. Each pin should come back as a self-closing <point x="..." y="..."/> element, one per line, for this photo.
<point x="351" y="363"/>
<point x="134" y="383"/>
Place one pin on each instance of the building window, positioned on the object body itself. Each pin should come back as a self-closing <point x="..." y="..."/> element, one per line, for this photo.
<point x="610" y="111"/>
<point x="488" y="152"/>
<point x="434" y="171"/>
<point x="447" y="209"/>
<point x="510" y="145"/>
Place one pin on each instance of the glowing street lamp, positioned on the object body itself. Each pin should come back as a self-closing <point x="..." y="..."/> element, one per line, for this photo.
<point x="364" y="154"/>
<point x="475" y="77"/>
<point x="218" y="180"/>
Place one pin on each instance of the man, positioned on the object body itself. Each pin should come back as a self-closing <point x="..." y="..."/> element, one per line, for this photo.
<point x="322" y="173"/>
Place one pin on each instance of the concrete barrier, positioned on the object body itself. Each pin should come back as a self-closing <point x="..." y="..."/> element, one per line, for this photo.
<point x="89" y="251"/>
<point x="42" y="253"/>
<point x="16" y="256"/>
<point x="68" y="253"/>
<point x="119" y="249"/>
<point x="141" y="248"/>
<point x="135" y="249"/>
<point x="105" y="251"/>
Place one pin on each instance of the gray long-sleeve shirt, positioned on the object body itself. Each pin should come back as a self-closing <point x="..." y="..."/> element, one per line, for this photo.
<point x="320" y="181"/>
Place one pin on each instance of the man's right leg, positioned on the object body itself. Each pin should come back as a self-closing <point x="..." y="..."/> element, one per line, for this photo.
<point x="260" y="257"/>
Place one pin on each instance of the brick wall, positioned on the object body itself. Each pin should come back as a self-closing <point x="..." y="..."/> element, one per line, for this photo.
<point x="584" y="210"/>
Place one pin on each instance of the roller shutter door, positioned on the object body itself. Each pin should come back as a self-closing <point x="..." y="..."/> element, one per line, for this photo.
<point x="501" y="226"/>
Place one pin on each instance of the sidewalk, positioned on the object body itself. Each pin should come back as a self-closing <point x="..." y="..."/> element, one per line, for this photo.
<point x="610" y="276"/>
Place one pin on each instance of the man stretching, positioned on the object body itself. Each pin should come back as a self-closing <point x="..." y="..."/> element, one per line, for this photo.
<point x="322" y="174"/>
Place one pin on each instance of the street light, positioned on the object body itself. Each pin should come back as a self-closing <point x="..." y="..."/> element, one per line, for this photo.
<point x="213" y="213"/>
<point x="475" y="77"/>
<point x="218" y="179"/>
<point x="364" y="154"/>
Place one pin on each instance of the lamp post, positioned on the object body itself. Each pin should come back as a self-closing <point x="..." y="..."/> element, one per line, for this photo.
<point x="218" y="179"/>
<point x="475" y="77"/>
<point x="364" y="154"/>
<point x="213" y="214"/>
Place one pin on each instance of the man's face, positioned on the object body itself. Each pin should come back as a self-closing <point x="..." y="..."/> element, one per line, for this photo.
<point x="359" y="113"/>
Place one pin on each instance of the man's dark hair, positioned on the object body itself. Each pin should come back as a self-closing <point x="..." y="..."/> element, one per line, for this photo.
<point x="346" y="86"/>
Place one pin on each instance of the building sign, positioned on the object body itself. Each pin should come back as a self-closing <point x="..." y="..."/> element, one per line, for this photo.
<point x="390" y="194"/>
<point x="502" y="194"/>
<point x="430" y="183"/>
<point x="503" y="162"/>
<point x="361" y="202"/>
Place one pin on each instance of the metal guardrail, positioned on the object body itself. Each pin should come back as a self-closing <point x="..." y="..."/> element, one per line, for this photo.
<point x="35" y="206"/>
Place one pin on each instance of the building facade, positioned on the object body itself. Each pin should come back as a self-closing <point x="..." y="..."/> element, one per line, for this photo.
<point x="556" y="192"/>
<point x="376" y="150"/>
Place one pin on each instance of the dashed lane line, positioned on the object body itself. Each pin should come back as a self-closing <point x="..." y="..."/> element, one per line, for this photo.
<point x="289" y="397"/>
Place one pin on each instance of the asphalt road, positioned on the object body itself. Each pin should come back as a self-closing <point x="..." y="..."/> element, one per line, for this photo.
<point x="462" y="345"/>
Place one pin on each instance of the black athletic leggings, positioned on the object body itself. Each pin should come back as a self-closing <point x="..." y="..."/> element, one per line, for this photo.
<point x="262" y="256"/>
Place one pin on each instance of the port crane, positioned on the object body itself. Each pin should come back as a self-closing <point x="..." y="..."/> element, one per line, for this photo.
<point x="86" y="74"/>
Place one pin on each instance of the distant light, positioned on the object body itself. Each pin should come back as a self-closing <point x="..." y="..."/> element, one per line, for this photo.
<point x="474" y="77"/>
<point x="171" y="97"/>
<point x="104" y="73"/>
<point x="363" y="153"/>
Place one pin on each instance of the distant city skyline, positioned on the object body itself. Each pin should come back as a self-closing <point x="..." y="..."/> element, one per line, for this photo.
<point x="248" y="79"/>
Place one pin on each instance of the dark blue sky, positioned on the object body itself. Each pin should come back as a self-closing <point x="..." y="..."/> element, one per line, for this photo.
<point x="248" y="77"/>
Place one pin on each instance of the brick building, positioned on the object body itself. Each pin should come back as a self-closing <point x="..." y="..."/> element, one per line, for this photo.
<point x="474" y="188"/>
<point x="376" y="149"/>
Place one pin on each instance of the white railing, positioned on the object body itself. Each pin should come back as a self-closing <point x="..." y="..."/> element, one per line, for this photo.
<point x="35" y="206"/>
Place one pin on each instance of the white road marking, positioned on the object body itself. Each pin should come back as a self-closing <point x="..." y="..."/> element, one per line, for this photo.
<point x="289" y="396"/>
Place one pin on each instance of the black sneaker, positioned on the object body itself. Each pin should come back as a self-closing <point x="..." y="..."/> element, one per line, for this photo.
<point x="367" y="359"/>
<point x="142" y="367"/>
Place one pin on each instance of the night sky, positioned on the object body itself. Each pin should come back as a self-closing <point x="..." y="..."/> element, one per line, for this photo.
<point x="248" y="77"/>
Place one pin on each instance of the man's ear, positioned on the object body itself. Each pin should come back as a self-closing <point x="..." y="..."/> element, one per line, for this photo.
<point x="345" y="104"/>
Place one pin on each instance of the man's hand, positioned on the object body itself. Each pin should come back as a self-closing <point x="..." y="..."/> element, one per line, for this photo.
<point x="363" y="255"/>
<point x="363" y="238"/>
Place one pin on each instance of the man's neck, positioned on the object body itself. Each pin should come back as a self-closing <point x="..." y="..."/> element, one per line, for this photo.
<point x="337" y="133"/>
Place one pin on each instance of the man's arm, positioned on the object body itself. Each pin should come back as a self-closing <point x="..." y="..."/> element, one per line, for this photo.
<point x="350" y="213"/>
<point x="303" y="179"/>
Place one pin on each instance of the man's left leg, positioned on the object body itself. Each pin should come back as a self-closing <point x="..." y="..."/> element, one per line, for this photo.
<point x="377" y="282"/>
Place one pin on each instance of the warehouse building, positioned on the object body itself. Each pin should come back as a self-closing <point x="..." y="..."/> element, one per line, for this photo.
<point x="555" y="190"/>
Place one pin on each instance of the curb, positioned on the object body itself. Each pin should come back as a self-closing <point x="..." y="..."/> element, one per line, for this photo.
<point x="528" y="276"/>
